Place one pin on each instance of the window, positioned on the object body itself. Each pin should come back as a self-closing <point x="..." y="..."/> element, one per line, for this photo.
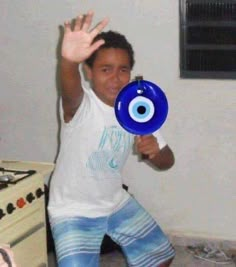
<point x="208" y="38"/>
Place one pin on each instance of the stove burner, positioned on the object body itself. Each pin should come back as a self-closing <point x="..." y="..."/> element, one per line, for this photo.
<point x="6" y="178"/>
<point x="9" y="176"/>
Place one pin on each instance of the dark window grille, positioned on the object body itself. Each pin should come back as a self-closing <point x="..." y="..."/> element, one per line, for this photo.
<point x="208" y="38"/>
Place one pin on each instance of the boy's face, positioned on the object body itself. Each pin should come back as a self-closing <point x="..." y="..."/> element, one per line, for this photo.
<point x="109" y="74"/>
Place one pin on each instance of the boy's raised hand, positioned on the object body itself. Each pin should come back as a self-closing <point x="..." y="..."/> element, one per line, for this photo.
<point x="77" y="43"/>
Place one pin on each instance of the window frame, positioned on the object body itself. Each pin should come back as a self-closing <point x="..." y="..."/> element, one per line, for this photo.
<point x="185" y="47"/>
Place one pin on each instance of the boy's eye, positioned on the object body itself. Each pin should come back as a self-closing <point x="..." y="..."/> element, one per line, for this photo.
<point x="124" y="70"/>
<point x="105" y="69"/>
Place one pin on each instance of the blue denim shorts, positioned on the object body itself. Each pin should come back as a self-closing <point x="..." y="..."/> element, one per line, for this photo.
<point x="78" y="239"/>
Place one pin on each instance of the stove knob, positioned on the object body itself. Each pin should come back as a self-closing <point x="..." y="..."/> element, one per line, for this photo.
<point x="2" y="214"/>
<point x="39" y="192"/>
<point x="10" y="208"/>
<point x="20" y="203"/>
<point x="30" y="197"/>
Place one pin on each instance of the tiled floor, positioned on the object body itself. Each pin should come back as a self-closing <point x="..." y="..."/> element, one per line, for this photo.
<point x="182" y="259"/>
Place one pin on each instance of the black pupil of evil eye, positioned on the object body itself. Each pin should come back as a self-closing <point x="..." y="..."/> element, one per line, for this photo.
<point x="141" y="110"/>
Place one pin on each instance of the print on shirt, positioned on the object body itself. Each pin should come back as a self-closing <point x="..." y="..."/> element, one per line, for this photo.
<point x="109" y="158"/>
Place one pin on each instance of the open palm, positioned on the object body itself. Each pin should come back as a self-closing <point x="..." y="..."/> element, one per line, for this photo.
<point x="77" y="44"/>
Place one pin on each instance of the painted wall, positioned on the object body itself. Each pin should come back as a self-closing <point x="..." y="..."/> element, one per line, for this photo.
<point x="198" y="195"/>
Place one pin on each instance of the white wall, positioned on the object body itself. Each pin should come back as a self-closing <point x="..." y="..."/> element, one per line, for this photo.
<point x="198" y="195"/>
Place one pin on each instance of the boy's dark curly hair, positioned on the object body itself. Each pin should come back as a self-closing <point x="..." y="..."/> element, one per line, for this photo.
<point x="112" y="40"/>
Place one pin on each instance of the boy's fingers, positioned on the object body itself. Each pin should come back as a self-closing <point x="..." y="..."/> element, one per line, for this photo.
<point x="87" y="21"/>
<point x="152" y="156"/>
<point x="67" y="26"/>
<point x="96" y="45"/>
<point x="100" y="26"/>
<point x="78" y="23"/>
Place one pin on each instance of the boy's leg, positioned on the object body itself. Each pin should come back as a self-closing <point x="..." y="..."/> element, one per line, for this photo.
<point x="142" y="240"/>
<point x="167" y="263"/>
<point x="78" y="240"/>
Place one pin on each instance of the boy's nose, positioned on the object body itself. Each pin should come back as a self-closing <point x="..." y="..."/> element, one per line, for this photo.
<point x="115" y="76"/>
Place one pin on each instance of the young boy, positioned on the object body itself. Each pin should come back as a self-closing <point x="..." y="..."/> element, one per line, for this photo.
<point x="87" y="200"/>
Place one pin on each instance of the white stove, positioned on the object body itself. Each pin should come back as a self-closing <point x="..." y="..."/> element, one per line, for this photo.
<point x="22" y="210"/>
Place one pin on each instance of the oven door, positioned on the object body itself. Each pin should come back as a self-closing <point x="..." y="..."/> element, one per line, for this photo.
<point x="25" y="232"/>
<point x="29" y="248"/>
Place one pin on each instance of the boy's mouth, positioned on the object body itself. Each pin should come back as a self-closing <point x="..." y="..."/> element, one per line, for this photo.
<point x="114" y="90"/>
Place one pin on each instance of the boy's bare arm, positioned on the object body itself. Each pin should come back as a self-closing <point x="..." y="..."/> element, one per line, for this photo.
<point x="164" y="159"/>
<point x="77" y="46"/>
<point x="71" y="92"/>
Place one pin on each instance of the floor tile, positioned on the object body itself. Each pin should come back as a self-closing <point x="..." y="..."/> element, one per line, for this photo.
<point x="182" y="259"/>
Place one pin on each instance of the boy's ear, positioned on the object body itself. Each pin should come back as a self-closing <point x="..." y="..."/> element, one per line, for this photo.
<point x="87" y="72"/>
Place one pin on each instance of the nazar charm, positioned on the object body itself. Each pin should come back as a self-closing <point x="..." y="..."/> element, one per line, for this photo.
<point x="141" y="107"/>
